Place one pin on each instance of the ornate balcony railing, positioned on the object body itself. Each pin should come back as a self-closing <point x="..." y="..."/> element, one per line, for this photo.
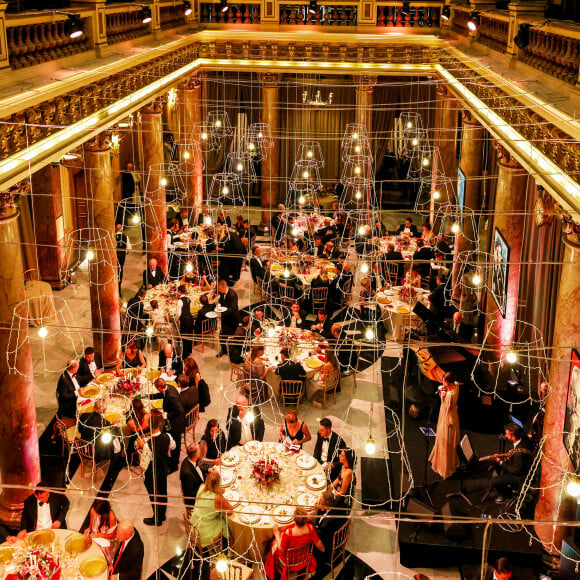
<point x="415" y="17"/>
<point x="334" y="15"/>
<point x="237" y="14"/>
<point x="39" y="42"/>
<point x="494" y="33"/>
<point x="127" y="25"/>
<point x="554" y="54"/>
<point x="172" y="16"/>
<point x="460" y="20"/>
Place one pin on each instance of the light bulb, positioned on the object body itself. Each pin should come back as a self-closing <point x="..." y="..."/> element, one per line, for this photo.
<point x="149" y="331"/>
<point x="249" y="418"/>
<point x="357" y="149"/>
<point x="358" y="195"/>
<point x="189" y="267"/>
<point x="425" y="161"/>
<point x="106" y="437"/>
<point x="301" y="200"/>
<point x="436" y="195"/>
<point x="415" y="142"/>
<point x="370" y="446"/>
<point x="309" y="154"/>
<point x="163" y="181"/>
<point x="361" y="230"/>
<point x="186" y="155"/>
<point x="218" y="123"/>
<point x="369" y="334"/>
<point x="43" y="332"/>
<point x="573" y="488"/>
<point x="90" y="255"/>
<point x="364" y="268"/>
<point x="204" y="136"/>
<point x="455" y="228"/>
<point x="286" y="273"/>
<point x="409" y="124"/>
<point x="125" y="304"/>
<point x="260" y="136"/>
<point x="270" y="332"/>
<point x="355" y="136"/>
<point x="178" y="550"/>
<point x="207" y="220"/>
<point x="221" y="565"/>
<point x="135" y="219"/>
<point x="511" y="357"/>
<point x="251" y="146"/>
<point x="225" y="189"/>
<point x="357" y="170"/>
<point x="294" y="232"/>
<point x="476" y="279"/>
<point x="306" y="175"/>
<point x="239" y="167"/>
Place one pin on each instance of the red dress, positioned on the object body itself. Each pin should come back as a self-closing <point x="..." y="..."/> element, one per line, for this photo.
<point x="288" y="541"/>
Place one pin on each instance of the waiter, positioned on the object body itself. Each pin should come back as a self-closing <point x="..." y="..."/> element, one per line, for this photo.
<point x="228" y="299"/>
<point x="123" y="246"/>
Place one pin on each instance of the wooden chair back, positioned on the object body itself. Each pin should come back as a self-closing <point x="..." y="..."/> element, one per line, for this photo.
<point x="319" y="298"/>
<point x="339" y="540"/>
<point x="296" y="560"/>
<point x="291" y="393"/>
<point x="392" y="273"/>
<point x="191" y="419"/>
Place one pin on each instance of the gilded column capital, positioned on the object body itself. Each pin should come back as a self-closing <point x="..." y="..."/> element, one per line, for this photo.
<point x="366" y="83"/>
<point x="155" y="107"/>
<point x="506" y="159"/>
<point x="193" y="82"/>
<point x="99" y="144"/>
<point x="269" y="79"/>
<point x="10" y="199"/>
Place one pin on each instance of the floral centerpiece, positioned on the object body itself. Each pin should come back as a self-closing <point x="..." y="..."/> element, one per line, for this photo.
<point x="408" y="293"/>
<point x="39" y="564"/>
<point x="266" y="471"/>
<point x="128" y="386"/>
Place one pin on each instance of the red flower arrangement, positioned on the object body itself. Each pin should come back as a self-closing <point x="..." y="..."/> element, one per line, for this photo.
<point x="408" y="293"/>
<point x="128" y="387"/>
<point x="266" y="471"/>
<point x="39" y="565"/>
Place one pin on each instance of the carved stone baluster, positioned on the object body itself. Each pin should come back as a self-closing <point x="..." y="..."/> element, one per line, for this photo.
<point x="43" y="42"/>
<point x="390" y="21"/>
<point x="10" y="43"/>
<point x="344" y="16"/>
<point x="17" y="49"/>
<point x="28" y="47"/>
<point x="51" y="41"/>
<point x="399" y="21"/>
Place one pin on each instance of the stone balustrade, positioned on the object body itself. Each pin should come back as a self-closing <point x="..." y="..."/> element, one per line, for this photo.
<point x="172" y="16"/>
<point x="125" y="25"/>
<point x="38" y="42"/>
<point x="460" y="19"/>
<point x="325" y="15"/>
<point x="493" y="33"/>
<point x="554" y="54"/>
<point x="416" y="17"/>
<point x="237" y="14"/>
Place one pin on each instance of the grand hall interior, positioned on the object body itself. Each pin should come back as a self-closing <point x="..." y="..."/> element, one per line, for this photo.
<point x="289" y="290"/>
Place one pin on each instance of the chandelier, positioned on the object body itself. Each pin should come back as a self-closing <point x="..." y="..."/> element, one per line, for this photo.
<point x="317" y="99"/>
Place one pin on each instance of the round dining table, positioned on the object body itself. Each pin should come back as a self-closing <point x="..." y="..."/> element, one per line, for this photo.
<point x="397" y="309"/>
<point x="76" y="555"/>
<point x="257" y="507"/>
<point x="305" y="268"/>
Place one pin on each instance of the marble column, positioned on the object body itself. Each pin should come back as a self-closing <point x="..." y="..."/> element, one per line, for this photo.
<point x="471" y="165"/>
<point x="554" y="504"/>
<point x="509" y="219"/>
<point x="19" y="460"/>
<point x="156" y="213"/>
<point x="104" y="282"/>
<point x="364" y="101"/>
<point x="271" y="165"/>
<point x="190" y="114"/>
<point x="48" y="221"/>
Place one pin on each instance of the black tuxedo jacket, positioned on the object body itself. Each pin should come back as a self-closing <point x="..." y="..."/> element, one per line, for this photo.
<point x="190" y="482"/>
<point x="130" y="564"/>
<point x="257" y="268"/>
<point x="173" y="408"/>
<point x="91" y="426"/>
<point x="290" y="370"/>
<point x="58" y="503"/>
<point x="303" y="322"/>
<point x="84" y="376"/>
<point x="234" y="427"/>
<point x="335" y="444"/>
<point x="189" y="398"/>
<point x="66" y="396"/>
<point x="176" y="364"/>
<point x="231" y="317"/>
<point x="153" y="278"/>
<point x="135" y="316"/>
<point x="520" y="462"/>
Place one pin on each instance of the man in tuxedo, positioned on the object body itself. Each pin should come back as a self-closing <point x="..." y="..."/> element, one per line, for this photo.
<point x="191" y="475"/>
<point x="90" y="366"/>
<point x="338" y="287"/>
<point x="135" y="318"/>
<point x="123" y="246"/>
<point x="182" y="219"/>
<point x="66" y="393"/>
<point x="228" y="299"/>
<point x="422" y="259"/>
<point x="128" y="561"/>
<point x="289" y="370"/>
<point x="296" y="318"/>
<point x="188" y="395"/>
<point x="44" y="510"/>
<point x="169" y="363"/>
<point x="236" y="251"/>
<point x="242" y="336"/>
<point x="154" y="463"/>
<point x="175" y="414"/>
<point x="91" y="427"/>
<point x="327" y="448"/>
<point x="256" y="265"/>
<point x="322" y="324"/>
<point x="239" y="429"/>
<point x="394" y="261"/>
<point x="153" y="276"/>
<point x="408" y="228"/>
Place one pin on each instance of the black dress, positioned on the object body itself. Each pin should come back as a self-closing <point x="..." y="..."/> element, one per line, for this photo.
<point x="215" y="447"/>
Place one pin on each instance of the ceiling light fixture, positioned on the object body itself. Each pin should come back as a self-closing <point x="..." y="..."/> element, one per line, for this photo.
<point x="446" y="12"/>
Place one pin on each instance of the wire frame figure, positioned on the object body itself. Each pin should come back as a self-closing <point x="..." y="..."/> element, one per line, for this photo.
<point x="354" y="131"/>
<point x="456" y="220"/>
<point x="474" y="272"/>
<point x="225" y="189"/>
<point x="440" y="192"/>
<point x="169" y="178"/>
<point x="422" y="162"/>
<point x="359" y="195"/>
<point x="310" y="151"/>
<point x="351" y="147"/>
<point x="259" y="141"/>
<point x="219" y="123"/>
<point x="54" y="325"/>
<point x="240" y="163"/>
<point x="358" y="230"/>
<point x="411" y="123"/>
<point x="357" y="167"/>
<point x="305" y="177"/>
<point x="204" y="136"/>
<point x="520" y="366"/>
<point x="189" y="154"/>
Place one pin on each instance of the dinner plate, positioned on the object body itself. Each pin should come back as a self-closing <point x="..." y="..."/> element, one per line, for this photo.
<point x="252" y="446"/>
<point x="230" y="459"/>
<point x="227" y="477"/>
<point x="89" y="391"/>
<point x="93" y="566"/>
<point x="283" y="514"/>
<point x="307" y="500"/>
<point x="314" y="363"/>
<point x="403" y="309"/>
<point x="89" y="408"/>
<point x="40" y="538"/>
<point x="77" y="544"/>
<point x="306" y="461"/>
<point x="277" y="268"/>
<point x="157" y="403"/>
<point x="211" y="314"/>
<point x="219" y="308"/>
<point x="316" y="481"/>
<point x="251" y="514"/>
<point x="112" y="417"/>
<point x="232" y="496"/>
<point x="105" y="378"/>
<point x="6" y="553"/>
<point x="384" y="300"/>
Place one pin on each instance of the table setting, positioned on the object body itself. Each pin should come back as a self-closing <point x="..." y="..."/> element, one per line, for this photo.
<point x="397" y="303"/>
<point x="265" y="482"/>
<point x="304" y="267"/>
<point x="404" y="244"/>
<point x="167" y="296"/>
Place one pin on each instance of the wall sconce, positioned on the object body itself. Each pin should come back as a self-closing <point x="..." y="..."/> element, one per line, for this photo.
<point x="115" y="144"/>
<point x="172" y="98"/>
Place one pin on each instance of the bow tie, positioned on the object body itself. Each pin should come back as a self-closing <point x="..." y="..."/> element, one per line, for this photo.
<point x="41" y="503"/>
<point x="325" y="438"/>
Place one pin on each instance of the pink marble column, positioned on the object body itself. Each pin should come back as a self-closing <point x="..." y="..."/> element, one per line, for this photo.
<point x="156" y="214"/>
<point x="364" y="101"/>
<point x="270" y="165"/>
<point x="104" y="286"/>
<point x="554" y="504"/>
<point x="19" y="460"/>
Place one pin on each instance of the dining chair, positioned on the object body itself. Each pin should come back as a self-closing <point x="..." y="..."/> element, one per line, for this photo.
<point x="291" y="393"/>
<point x="287" y="295"/>
<point x="296" y="562"/>
<point x="331" y="381"/>
<point x="208" y="328"/>
<point x="339" y="540"/>
<point x="319" y="298"/>
<point x="191" y="419"/>
<point x="392" y="273"/>
<point x="67" y="435"/>
<point x="86" y="452"/>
